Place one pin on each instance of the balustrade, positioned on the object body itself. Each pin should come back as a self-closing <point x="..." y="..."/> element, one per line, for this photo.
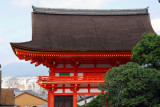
<point x="70" y="78"/>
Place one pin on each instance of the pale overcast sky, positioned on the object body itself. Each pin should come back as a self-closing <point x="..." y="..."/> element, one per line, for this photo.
<point x="15" y="18"/>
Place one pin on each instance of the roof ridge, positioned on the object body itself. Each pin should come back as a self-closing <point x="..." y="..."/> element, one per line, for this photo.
<point x="31" y="93"/>
<point x="41" y="10"/>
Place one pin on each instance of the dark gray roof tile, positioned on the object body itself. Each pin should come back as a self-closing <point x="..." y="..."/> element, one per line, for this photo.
<point x="90" y="11"/>
<point x="86" y="32"/>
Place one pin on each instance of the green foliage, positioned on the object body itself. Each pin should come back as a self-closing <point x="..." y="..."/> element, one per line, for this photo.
<point x="147" y="51"/>
<point x="99" y="101"/>
<point x="78" y="105"/>
<point x="131" y="85"/>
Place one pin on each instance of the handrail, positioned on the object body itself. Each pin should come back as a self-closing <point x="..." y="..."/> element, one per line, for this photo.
<point x="71" y="78"/>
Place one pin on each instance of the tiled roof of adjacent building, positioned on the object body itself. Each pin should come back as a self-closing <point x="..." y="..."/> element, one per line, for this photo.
<point x="18" y="93"/>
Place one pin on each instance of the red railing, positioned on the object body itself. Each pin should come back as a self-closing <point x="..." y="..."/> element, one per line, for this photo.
<point x="65" y="79"/>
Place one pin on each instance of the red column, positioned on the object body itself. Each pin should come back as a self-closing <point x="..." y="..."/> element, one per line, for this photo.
<point x="106" y="102"/>
<point x="74" y="99"/>
<point x="50" y="99"/>
<point x="51" y="73"/>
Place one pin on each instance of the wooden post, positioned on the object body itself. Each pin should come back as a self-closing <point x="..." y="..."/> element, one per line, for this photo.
<point x="106" y="102"/>
<point x="74" y="99"/>
<point x="51" y="72"/>
<point x="50" y="99"/>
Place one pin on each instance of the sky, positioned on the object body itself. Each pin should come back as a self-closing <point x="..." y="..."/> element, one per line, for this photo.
<point x="15" y="20"/>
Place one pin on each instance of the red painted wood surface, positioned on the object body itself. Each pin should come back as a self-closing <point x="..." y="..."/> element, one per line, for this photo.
<point x="70" y="79"/>
<point x="73" y="62"/>
<point x="50" y="99"/>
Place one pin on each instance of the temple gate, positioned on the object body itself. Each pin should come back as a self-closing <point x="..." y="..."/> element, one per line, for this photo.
<point x="79" y="47"/>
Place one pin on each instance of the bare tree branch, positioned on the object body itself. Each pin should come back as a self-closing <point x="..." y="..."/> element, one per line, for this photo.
<point x="84" y="98"/>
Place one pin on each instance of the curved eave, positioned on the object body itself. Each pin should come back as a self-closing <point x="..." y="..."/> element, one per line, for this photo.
<point x="25" y="49"/>
<point x="41" y="57"/>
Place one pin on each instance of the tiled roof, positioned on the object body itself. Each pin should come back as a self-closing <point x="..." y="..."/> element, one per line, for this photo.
<point x="18" y="93"/>
<point x="61" y="32"/>
<point x="90" y="11"/>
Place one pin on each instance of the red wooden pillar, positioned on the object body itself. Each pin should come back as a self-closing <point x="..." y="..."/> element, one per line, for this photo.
<point x="106" y="102"/>
<point x="51" y="72"/>
<point x="50" y="99"/>
<point x="74" y="99"/>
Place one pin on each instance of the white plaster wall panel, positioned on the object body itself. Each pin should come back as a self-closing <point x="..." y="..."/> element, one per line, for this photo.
<point x="80" y="74"/>
<point x="59" y="85"/>
<point x="94" y="74"/>
<point x="67" y="85"/>
<point x="57" y="74"/>
<point x="94" y="90"/>
<point x="83" y="85"/>
<point x="68" y="91"/>
<point x="59" y="91"/>
<point x="82" y="91"/>
<point x="60" y="66"/>
<point x="86" y="66"/>
<point x="71" y="74"/>
<point x="94" y="85"/>
<point x="69" y="66"/>
<point x="103" y="65"/>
